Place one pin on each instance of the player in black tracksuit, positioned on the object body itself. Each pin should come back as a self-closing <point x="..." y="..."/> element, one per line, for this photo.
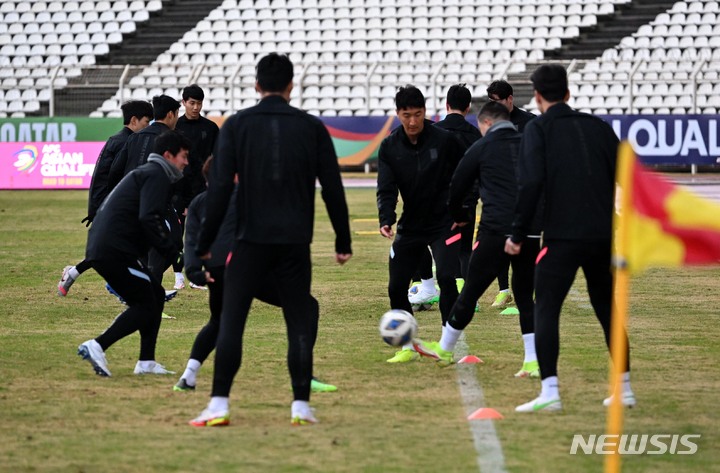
<point x="277" y="153"/>
<point x="571" y="158"/>
<point x="136" y="116"/>
<point x="134" y="154"/>
<point x="490" y="162"/>
<point x="417" y="161"/>
<point x="129" y="222"/>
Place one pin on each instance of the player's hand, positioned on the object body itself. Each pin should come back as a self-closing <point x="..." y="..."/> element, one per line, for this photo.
<point x="87" y="221"/>
<point x="342" y="258"/>
<point x="511" y="247"/>
<point x="387" y="231"/>
<point x="458" y="225"/>
<point x="208" y="277"/>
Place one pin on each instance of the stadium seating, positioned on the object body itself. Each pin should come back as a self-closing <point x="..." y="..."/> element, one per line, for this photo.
<point x="350" y="54"/>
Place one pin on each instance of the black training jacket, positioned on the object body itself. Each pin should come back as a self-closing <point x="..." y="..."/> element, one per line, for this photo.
<point x="421" y="174"/>
<point x="456" y="124"/>
<point x="202" y="133"/>
<point x="132" y="217"/>
<point x="491" y="161"/>
<point x="135" y="152"/>
<point x="278" y="152"/>
<point x="520" y="118"/>
<point x="99" y="184"/>
<point x="571" y="157"/>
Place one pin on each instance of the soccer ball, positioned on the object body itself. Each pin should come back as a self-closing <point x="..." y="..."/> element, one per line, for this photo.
<point x="398" y="327"/>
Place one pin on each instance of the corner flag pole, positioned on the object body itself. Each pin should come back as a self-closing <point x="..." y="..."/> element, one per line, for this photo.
<point x="618" y="347"/>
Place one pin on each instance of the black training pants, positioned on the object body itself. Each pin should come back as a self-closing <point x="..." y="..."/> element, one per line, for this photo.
<point x="145" y="298"/>
<point x="248" y="270"/>
<point x="405" y="253"/>
<point x="487" y="258"/>
<point x="555" y="271"/>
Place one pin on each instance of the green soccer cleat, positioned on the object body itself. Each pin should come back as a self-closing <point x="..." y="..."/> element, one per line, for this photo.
<point x="404" y="356"/>
<point x="540" y="404"/>
<point x="502" y="300"/>
<point x="530" y="369"/>
<point x="318" y="386"/>
<point x="183" y="386"/>
<point x="208" y="418"/>
<point x="433" y="350"/>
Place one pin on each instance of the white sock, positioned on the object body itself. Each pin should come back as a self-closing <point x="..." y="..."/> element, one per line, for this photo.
<point x="428" y="285"/>
<point x="550" y="388"/>
<point x="73" y="272"/>
<point x="179" y="277"/>
<point x="190" y="373"/>
<point x="529" y="342"/>
<point x="219" y="403"/>
<point x="146" y="364"/>
<point x="449" y="337"/>
<point x="625" y="380"/>
<point x="300" y="408"/>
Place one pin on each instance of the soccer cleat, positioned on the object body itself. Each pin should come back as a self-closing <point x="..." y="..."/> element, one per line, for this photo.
<point x="183" y="386"/>
<point x="65" y="282"/>
<point x="502" y="299"/>
<point x="530" y="369"/>
<point x="195" y="286"/>
<point x="318" y="386"/>
<point x="305" y="417"/>
<point x="433" y="350"/>
<point x="166" y="316"/>
<point x="540" y="404"/>
<point x="112" y="291"/>
<point x="151" y="368"/>
<point x="93" y="353"/>
<point x="170" y="295"/>
<point x="403" y="356"/>
<point x="422" y="296"/>
<point x="208" y="418"/>
<point x="628" y="400"/>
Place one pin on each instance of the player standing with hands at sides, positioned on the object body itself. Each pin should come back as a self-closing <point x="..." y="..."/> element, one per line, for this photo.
<point x="277" y="152"/>
<point x="570" y="157"/>
<point x="417" y="161"/>
<point x="490" y="161"/>
<point x="136" y="116"/>
<point x="130" y="221"/>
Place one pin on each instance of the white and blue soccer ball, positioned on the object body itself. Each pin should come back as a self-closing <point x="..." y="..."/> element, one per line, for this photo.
<point x="398" y="327"/>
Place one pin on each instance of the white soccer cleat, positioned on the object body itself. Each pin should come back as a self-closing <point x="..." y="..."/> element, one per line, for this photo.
<point x="540" y="404"/>
<point x="66" y="280"/>
<point x="628" y="400"/>
<point x="422" y="296"/>
<point x="151" y="368"/>
<point x="94" y="354"/>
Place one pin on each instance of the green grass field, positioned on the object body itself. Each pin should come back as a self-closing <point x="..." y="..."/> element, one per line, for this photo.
<point x="57" y="415"/>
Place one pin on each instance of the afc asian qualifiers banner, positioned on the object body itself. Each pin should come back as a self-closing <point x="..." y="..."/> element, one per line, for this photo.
<point x="38" y="165"/>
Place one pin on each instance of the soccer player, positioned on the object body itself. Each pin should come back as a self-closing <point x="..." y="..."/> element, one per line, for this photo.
<point x="210" y="273"/>
<point x="202" y="134"/>
<point x="278" y="152"/>
<point x="128" y="223"/>
<point x="570" y="157"/>
<point x="490" y="161"/>
<point x="136" y="116"/>
<point x="501" y="92"/>
<point x="417" y="161"/>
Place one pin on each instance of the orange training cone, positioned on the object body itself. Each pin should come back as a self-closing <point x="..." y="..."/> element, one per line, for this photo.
<point x="485" y="413"/>
<point x="470" y="359"/>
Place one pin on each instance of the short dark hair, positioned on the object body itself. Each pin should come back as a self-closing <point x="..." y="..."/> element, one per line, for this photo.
<point x="136" y="108"/>
<point x="550" y="80"/>
<point x="494" y="111"/>
<point x="162" y="104"/>
<point x="459" y="97"/>
<point x="274" y="72"/>
<point x="193" y="92"/>
<point x="500" y="88"/>
<point x="172" y="141"/>
<point x="409" y="96"/>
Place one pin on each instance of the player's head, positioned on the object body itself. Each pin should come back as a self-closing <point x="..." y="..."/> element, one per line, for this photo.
<point x="502" y="92"/>
<point x="550" y="84"/>
<point x="491" y="113"/>
<point x="166" y="110"/>
<point x="192" y="100"/>
<point x="458" y="99"/>
<point x="274" y="74"/>
<point x="136" y="114"/>
<point x="410" y="109"/>
<point x="174" y="147"/>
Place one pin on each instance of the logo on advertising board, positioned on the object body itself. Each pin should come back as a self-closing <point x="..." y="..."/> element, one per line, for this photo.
<point x="47" y="165"/>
